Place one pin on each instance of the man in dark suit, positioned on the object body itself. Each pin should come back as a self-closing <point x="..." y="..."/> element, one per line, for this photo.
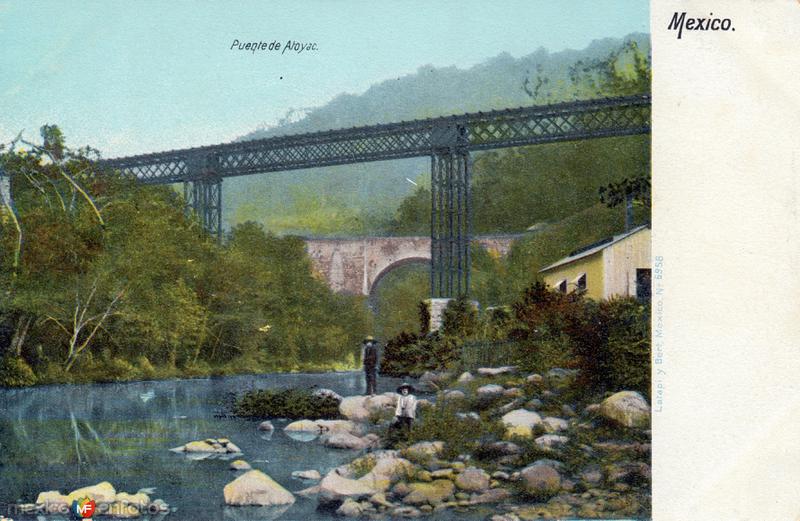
<point x="371" y="364"/>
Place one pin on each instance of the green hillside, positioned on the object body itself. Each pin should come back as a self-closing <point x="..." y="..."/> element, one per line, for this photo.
<point x="363" y="199"/>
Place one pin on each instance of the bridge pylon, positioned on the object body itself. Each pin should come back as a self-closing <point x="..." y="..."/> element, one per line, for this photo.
<point x="451" y="216"/>
<point x="202" y="193"/>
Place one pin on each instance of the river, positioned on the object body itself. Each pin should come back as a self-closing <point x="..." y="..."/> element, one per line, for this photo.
<point x="62" y="437"/>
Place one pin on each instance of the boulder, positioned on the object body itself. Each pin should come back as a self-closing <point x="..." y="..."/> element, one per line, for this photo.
<point x="406" y="512"/>
<point x="423" y="450"/>
<point x="431" y="381"/>
<point x="139" y="500"/>
<point x="489" y="391"/>
<point x="53" y="501"/>
<point x="535" y="379"/>
<point x="308" y="492"/>
<point x="534" y="404"/>
<point x="513" y="392"/>
<point x="552" y="424"/>
<point x="521" y="422"/>
<point x="591" y="475"/>
<point x="312" y="475"/>
<point x="208" y="446"/>
<point x="557" y="465"/>
<point x="327" y="393"/>
<point x="381" y="402"/>
<point x="431" y="493"/>
<point x="568" y="411"/>
<point x="627" y="408"/>
<point x="454" y="394"/>
<point x="344" y="440"/>
<point x="503" y="448"/>
<point x="266" y="426"/>
<point x="386" y="472"/>
<point x="550" y="441"/>
<point x="465" y="378"/>
<point x="334" y="488"/>
<point x="472" y="479"/>
<point x="302" y="426"/>
<point x="235" y="465"/>
<point x="541" y="481"/>
<point x="350" y="508"/>
<point x="591" y="409"/>
<point x="356" y="429"/>
<point x="510" y="406"/>
<point x="443" y="474"/>
<point x="101" y="493"/>
<point x="380" y="500"/>
<point x="256" y="488"/>
<point x="354" y="408"/>
<point x="497" y="371"/>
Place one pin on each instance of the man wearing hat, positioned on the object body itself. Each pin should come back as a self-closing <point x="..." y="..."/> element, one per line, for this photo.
<point x="406" y="409"/>
<point x="370" y="363"/>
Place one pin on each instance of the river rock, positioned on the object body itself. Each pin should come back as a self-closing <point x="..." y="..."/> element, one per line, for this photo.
<point x="302" y="426"/>
<point x="423" y="450"/>
<point x="354" y="408"/>
<point x="334" y="488"/>
<point x="312" y="475"/>
<point x="101" y="493"/>
<point x="541" y="481"/>
<point x="238" y="464"/>
<point x="627" y="408"/>
<point x="387" y="471"/>
<point x="53" y="501"/>
<point x="350" y="508"/>
<point x="591" y="475"/>
<point x="550" y="441"/>
<point x="356" y="429"/>
<point x="591" y="409"/>
<point x="208" y="446"/>
<point x="266" y="426"/>
<point x="431" y="493"/>
<point x="513" y="392"/>
<point x="406" y="512"/>
<point x="454" y="394"/>
<point x="472" y="479"/>
<point x="535" y="379"/>
<point x="140" y="500"/>
<point x="380" y="500"/>
<point x="431" y="381"/>
<point x="327" y="393"/>
<point x="552" y="424"/>
<point x="258" y="489"/>
<point x="344" y="440"/>
<point x="308" y="492"/>
<point x="560" y="377"/>
<point x="503" y="448"/>
<point x="521" y="422"/>
<point x="489" y="391"/>
<point x="465" y="378"/>
<point x="497" y="371"/>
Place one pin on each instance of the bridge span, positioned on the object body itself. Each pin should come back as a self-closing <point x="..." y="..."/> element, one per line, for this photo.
<point x="356" y="265"/>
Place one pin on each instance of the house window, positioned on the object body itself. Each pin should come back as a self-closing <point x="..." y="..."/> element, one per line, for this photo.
<point x="580" y="283"/>
<point x="562" y="286"/>
<point x="643" y="285"/>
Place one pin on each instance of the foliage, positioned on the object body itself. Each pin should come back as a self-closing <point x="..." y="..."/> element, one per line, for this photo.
<point x="120" y="275"/>
<point x="411" y="355"/>
<point x="460" y="318"/>
<point x="15" y="372"/>
<point x="287" y="403"/>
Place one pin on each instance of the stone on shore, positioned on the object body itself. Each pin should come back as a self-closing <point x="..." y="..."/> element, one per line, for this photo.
<point x="327" y="393"/>
<point x="302" y="426"/>
<point x="521" y="422"/>
<point x="489" y="391"/>
<point x="465" y="378"/>
<point x="497" y="371"/>
<point x="257" y="489"/>
<point x="495" y="495"/>
<point x="552" y="424"/>
<point x="431" y="493"/>
<point x="266" y="426"/>
<point x="454" y="394"/>
<point x="387" y="471"/>
<point x="345" y="440"/>
<point x="359" y="408"/>
<point x="541" y="481"/>
<point x="472" y="479"/>
<point x="209" y="446"/>
<point x="423" y="450"/>
<point x="350" y="508"/>
<point x="550" y="441"/>
<point x="627" y="408"/>
<point x="356" y="429"/>
<point x="334" y="488"/>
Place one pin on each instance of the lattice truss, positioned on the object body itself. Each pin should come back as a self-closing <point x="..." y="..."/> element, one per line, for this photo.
<point x="476" y="131"/>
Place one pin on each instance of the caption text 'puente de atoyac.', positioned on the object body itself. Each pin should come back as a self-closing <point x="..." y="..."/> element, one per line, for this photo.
<point x="448" y="141"/>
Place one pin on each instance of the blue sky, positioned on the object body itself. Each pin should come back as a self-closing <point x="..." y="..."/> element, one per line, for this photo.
<point x="133" y="77"/>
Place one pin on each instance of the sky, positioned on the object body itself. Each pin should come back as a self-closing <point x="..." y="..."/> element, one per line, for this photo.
<point x="136" y="77"/>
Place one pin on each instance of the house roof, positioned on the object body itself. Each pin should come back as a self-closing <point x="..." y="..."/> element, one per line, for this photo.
<point x="593" y="248"/>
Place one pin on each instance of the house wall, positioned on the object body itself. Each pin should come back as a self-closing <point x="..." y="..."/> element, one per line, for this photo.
<point x="592" y="265"/>
<point x="620" y="262"/>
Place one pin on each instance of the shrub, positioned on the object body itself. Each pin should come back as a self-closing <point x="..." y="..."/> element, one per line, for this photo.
<point x="460" y="319"/>
<point x="411" y="355"/>
<point x="15" y="372"/>
<point x="287" y="403"/>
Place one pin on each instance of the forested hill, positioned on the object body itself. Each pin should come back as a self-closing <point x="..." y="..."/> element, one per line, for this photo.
<point x="362" y="199"/>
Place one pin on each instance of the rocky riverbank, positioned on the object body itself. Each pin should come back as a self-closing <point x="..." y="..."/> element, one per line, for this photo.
<point x="539" y="450"/>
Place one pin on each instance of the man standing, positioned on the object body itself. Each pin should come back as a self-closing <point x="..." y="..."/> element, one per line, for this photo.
<point x="371" y="364"/>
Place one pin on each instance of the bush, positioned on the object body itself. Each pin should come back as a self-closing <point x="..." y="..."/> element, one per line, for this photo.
<point x="411" y="355"/>
<point x="294" y="404"/>
<point x="15" y="372"/>
<point x="460" y="318"/>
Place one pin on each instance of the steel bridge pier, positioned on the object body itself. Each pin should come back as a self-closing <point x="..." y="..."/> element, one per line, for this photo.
<point x="203" y="197"/>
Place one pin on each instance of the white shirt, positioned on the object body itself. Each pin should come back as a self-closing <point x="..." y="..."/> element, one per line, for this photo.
<point x="406" y="406"/>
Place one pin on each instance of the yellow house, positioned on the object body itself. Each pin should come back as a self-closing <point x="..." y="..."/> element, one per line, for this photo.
<point x="618" y="265"/>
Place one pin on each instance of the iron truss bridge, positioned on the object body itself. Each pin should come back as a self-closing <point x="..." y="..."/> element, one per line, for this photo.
<point x="448" y="141"/>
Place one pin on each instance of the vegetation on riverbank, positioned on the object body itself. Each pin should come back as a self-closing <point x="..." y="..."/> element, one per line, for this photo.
<point x="293" y="404"/>
<point x="106" y="279"/>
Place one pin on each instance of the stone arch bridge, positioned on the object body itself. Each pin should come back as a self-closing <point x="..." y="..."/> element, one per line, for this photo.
<point x="356" y="265"/>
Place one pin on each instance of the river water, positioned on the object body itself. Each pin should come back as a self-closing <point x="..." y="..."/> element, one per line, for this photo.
<point x="63" y="437"/>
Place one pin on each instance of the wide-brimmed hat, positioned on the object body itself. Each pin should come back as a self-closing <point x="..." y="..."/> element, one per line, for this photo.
<point x="405" y="385"/>
<point x="368" y="338"/>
